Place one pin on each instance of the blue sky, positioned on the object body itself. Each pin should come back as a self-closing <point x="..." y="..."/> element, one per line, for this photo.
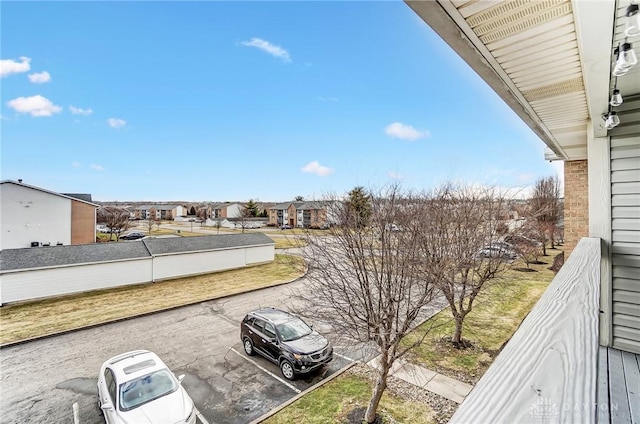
<point x="227" y="101"/>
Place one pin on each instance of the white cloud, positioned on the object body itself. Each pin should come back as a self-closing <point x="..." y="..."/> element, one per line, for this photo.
<point x="328" y="99"/>
<point x="10" y="66"/>
<point x="116" y="123"/>
<point x="272" y="49"/>
<point x="40" y="78"/>
<point x="96" y="167"/>
<point x="80" y="111"/>
<point x="394" y="175"/>
<point x="34" y="105"/>
<point x="76" y="164"/>
<point x="405" y="132"/>
<point x="315" y="168"/>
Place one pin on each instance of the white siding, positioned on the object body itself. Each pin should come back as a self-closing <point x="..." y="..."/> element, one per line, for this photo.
<point x="172" y="266"/>
<point x="625" y="224"/>
<point x="28" y="215"/>
<point x="179" y="265"/>
<point x="33" y="284"/>
<point x="258" y="255"/>
<point x="21" y="285"/>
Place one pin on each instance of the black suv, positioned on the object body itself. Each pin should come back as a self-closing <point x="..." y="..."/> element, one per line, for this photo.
<point x="286" y="340"/>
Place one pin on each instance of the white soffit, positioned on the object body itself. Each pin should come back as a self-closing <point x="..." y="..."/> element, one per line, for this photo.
<point x="534" y="47"/>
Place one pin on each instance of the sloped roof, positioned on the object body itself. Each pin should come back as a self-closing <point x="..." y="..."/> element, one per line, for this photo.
<point x="53" y="256"/>
<point x="160" y="246"/>
<point x="66" y="196"/>
<point x="157" y="207"/>
<point x="298" y="205"/>
<point x="80" y="196"/>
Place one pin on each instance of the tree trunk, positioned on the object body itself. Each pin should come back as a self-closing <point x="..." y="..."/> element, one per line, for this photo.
<point x="457" y="337"/>
<point x="378" y="390"/>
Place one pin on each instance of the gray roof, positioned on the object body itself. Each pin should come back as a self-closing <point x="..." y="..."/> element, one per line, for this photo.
<point x="42" y="257"/>
<point x="298" y="205"/>
<point x="159" y="246"/>
<point x="156" y="207"/>
<point x="79" y="196"/>
<point x="52" y="256"/>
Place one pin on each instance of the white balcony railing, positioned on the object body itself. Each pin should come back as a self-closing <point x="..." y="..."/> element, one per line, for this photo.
<point x="547" y="371"/>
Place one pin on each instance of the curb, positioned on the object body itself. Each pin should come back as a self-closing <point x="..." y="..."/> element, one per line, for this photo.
<point x="301" y="394"/>
<point x="116" y="320"/>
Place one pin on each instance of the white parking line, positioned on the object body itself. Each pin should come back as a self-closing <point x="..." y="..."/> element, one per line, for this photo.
<point x="200" y="417"/>
<point x="344" y="357"/>
<point x="292" y="387"/>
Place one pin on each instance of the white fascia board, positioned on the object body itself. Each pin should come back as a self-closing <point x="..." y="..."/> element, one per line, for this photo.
<point x="594" y="22"/>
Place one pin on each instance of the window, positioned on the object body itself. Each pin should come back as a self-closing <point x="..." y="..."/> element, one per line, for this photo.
<point x="269" y="331"/>
<point x="259" y="325"/>
<point x="111" y="384"/>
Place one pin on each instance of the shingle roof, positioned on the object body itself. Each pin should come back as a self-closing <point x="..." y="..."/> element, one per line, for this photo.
<point x="79" y="196"/>
<point x="298" y="205"/>
<point x="159" y="246"/>
<point x="43" y="257"/>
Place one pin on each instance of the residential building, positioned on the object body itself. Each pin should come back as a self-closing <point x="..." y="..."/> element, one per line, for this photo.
<point x="32" y="216"/>
<point x="555" y="64"/>
<point x="224" y="210"/>
<point x="298" y="214"/>
<point x="159" y="212"/>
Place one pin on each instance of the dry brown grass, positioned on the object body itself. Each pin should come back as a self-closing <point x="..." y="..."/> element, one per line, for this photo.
<point x="497" y="313"/>
<point x="49" y="316"/>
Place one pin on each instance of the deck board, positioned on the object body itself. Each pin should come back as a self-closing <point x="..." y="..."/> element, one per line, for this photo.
<point x="620" y="412"/>
<point x="632" y="379"/>
<point x="603" y="386"/>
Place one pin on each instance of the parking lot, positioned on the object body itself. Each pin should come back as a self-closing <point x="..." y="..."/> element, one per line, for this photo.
<point x="41" y="380"/>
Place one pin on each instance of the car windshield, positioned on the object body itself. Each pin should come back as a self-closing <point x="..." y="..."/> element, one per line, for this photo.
<point x="293" y="329"/>
<point x="147" y="388"/>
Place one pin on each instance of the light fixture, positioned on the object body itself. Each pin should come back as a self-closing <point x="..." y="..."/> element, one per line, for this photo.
<point x="626" y="59"/>
<point x="633" y="21"/>
<point x="611" y="120"/>
<point x="616" y="98"/>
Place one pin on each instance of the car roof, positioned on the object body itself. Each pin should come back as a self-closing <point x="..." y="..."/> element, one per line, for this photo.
<point x="274" y="315"/>
<point x="131" y="365"/>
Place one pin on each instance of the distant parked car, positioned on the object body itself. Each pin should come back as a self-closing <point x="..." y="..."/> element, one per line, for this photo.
<point x="285" y="227"/>
<point x="285" y="340"/>
<point x="133" y="236"/>
<point x="137" y="387"/>
<point x="496" y="252"/>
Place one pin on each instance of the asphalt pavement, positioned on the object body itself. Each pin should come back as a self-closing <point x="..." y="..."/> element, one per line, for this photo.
<point x="41" y="380"/>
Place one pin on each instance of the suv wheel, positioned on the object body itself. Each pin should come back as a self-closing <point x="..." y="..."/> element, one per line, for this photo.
<point x="248" y="346"/>
<point x="287" y="369"/>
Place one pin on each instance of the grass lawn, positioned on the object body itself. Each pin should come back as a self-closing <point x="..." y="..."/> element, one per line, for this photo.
<point x="496" y="315"/>
<point x="48" y="316"/>
<point x="288" y="242"/>
<point x="331" y="403"/>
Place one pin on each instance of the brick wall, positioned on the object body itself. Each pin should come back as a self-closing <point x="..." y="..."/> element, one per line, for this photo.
<point x="576" y="203"/>
<point x="83" y="223"/>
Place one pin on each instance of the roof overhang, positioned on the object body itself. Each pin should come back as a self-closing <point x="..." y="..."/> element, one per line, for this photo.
<point x="549" y="60"/>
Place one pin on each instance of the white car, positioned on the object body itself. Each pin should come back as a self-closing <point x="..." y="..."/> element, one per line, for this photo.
<point x="137" y="387"/>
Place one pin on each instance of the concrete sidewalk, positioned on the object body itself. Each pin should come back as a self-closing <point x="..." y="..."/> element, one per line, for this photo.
<point x="429" y="380"/>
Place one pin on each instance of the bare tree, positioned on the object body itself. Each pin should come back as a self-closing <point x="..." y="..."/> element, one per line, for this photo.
<point x="115" y="218"/>
<point x="459" y="235"/>
<point x="545" y="209"/>
<point x="150" y="224"/>
<point x="366" y="281"/>
<point x="246" y="212"/>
